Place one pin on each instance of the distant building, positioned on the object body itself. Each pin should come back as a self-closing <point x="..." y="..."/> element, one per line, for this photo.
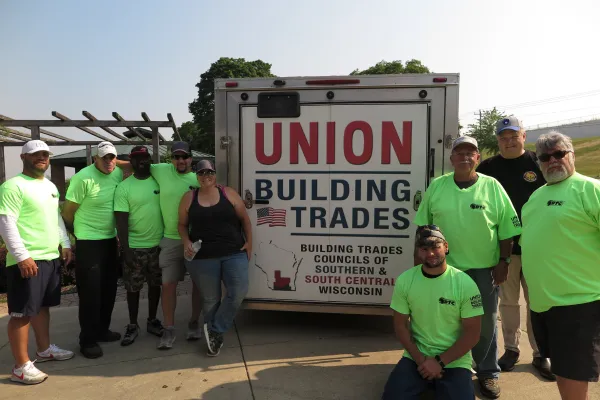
<point x="576" y="130"/>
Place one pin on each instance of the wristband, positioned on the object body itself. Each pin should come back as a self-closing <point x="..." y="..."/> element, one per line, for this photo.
<point x="439" y="360"/>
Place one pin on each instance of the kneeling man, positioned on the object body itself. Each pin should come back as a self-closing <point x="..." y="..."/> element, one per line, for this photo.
<point x="444" y="307"/>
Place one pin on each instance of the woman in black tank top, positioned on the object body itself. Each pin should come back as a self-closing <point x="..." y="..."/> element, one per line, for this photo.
<point x="216" y="216"/>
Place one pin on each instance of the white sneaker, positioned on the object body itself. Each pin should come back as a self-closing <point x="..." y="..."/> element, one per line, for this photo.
<point x="54" y="353"/>
<point x="28" y="374"/>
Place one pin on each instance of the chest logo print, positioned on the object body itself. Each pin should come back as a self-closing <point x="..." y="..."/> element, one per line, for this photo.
<point x="530" y="176"/>
<point x="477" y="206"/>
<point x="447" y="301"/>
<point x="555" y="202"/>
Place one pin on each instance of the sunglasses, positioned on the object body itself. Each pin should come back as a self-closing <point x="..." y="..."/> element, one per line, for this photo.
<point x="558" y="154"/>
<point x="205" y="172"/>
<point x="429" y="227"/>
<point x="181" y="157"/>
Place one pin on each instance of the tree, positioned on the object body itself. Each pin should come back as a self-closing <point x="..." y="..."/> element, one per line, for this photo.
<point x="484" y="131"/>
<point x="394" y="67"/>
<point x="201" y="133"/>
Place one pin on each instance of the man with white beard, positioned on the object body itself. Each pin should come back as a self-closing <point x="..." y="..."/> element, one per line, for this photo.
<point x="560" y="245"/>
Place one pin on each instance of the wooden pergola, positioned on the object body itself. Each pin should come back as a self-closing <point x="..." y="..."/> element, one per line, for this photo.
<point x="10" y="137"/>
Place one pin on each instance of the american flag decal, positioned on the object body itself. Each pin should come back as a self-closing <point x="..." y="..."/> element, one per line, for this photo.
<point x="271" y="216"/>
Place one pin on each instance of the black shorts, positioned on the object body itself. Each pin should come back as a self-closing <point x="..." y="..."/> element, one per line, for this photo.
<point x="570" y="337"/>
<point x="26" y="296"/>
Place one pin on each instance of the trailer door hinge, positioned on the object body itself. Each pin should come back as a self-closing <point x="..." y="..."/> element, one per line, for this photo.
<point x="225" y="141"/>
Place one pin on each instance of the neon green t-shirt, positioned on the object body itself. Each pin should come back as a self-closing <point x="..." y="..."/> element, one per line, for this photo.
<point x="173" y="186"/>
<point x="34" y="203"/>
<point x="561" y="243"/>
<point x="140" y="198"/>
<point x="436" y="307"/>
<point x="94" y="192"/>
<point x="473" y="220"/>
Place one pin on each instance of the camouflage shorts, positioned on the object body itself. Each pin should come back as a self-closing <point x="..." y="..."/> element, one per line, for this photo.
<point x="145" y="268"/>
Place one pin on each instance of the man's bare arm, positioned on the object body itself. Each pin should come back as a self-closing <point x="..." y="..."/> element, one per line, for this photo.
<point x="125" y="166"/>
<point x="471" y="330"/>
<point x="122" y="219"/>
<point x="68" y="214"/>
<point x="404" y="335"/>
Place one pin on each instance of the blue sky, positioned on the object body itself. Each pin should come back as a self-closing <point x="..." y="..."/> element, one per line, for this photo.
<point x="134" y="56"/>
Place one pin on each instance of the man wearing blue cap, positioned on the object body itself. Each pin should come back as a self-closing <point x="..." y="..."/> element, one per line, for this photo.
<point x="518" y="172"/>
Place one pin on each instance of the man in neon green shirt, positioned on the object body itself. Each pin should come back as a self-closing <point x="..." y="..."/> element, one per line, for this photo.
<point x="444" y="307"/>
<point x="174" y="179"/>
<point x="140" y="229"/>
<point x="561" y="263"/>
<point x="479" y="222"/>
<point x="33" y="230"/>
<point x="88" y="212"/>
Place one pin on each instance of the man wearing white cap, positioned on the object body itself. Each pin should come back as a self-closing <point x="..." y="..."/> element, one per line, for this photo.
<point x="479" y="222"/>
<point x="88" y="212"/>
<point x="32" y="229"/>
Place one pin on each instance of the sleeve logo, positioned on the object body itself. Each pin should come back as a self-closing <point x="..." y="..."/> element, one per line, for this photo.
<point x="515" y="221"/>
<point x="476" y="301"/>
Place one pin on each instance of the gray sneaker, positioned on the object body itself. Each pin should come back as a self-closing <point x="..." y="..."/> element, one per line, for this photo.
<point x="167" y="339"/>
<point x="194" y="331"/>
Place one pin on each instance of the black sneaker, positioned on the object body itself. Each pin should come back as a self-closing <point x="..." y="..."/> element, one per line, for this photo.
<point x="131" y="333"/>
<point x="109" y="336"/>
<point x="91" y="350"/>
<point x="214" y="341"/>
<point x="154" y="327"/>
<point x="508" y="360"/>
<point x="543" y="367"/>
<point x="489" y="387"/>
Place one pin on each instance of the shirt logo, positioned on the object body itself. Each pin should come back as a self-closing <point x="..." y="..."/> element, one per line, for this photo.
<point x="515" y="221"/>
<point x="447" y="302"/>
<point x="476" y="301"/>
<point x="156" y="192"/>
<point x="477" y="206"/>
<point x="530" y="176"/>
<point x="555" y="203"/>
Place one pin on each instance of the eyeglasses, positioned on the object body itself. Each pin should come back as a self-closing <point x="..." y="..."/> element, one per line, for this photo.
<point x="205" y="172"/>
<point x="181" y="157"/>
<point x="558" y="154"/>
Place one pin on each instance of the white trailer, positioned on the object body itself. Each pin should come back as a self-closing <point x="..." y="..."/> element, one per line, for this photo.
<point x="332" y="170"/>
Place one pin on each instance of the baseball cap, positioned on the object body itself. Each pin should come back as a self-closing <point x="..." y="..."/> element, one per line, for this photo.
<point x="205" y="164"/>
<point x="105" y="148"/>
<point x="426" y="236"/>
<point x="181" y="147"/>
<point x="465" y="139"/>
<point x="33" y="146"/>
<point x="139" y="150"/>
<point x="511" y="122"/>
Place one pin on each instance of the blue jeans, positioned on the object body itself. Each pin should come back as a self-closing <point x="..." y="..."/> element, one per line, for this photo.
<point x="405" y="383"/>
<point x="207" y="275"/>
<point x="485" y="353"/>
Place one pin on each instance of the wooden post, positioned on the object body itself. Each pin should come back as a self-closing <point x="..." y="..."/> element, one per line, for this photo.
<point x="155" y="146"/>
<point x="57" y="176"/>
<point x="35" y="133"/>
<point x="2" y="165"/>
<point x="88" y="154"/>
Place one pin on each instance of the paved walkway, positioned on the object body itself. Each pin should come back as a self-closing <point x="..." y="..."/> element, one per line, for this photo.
<point x="267" y="355"/>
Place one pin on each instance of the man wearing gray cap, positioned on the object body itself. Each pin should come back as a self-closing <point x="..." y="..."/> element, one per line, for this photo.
<point x="88" y="212"/>
<point x="479" y="222"/>
<point x="444" y="307"/>
<point x="518" y="172"/>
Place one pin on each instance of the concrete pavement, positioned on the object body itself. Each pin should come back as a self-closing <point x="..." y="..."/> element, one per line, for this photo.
<point x="269" y="355"/>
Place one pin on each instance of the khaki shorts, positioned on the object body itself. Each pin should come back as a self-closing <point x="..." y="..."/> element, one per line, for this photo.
<point x="171" y="259"/>
<point x="144" y="268"/>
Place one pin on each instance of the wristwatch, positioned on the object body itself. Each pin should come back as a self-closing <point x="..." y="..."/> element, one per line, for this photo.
<point x="439" y="360"/>
<point x="505" y="259"/>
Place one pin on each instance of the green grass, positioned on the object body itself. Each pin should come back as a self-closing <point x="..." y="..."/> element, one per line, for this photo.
<point x="587" y="155"/>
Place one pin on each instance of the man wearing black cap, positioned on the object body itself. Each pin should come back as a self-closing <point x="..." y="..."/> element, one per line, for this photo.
<point x="518" y="172"/>
<point x="174" y="180"/>
<point x="479" y="222"/>
<point x="140" y="229"/>
<point x="444" y="307"/>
